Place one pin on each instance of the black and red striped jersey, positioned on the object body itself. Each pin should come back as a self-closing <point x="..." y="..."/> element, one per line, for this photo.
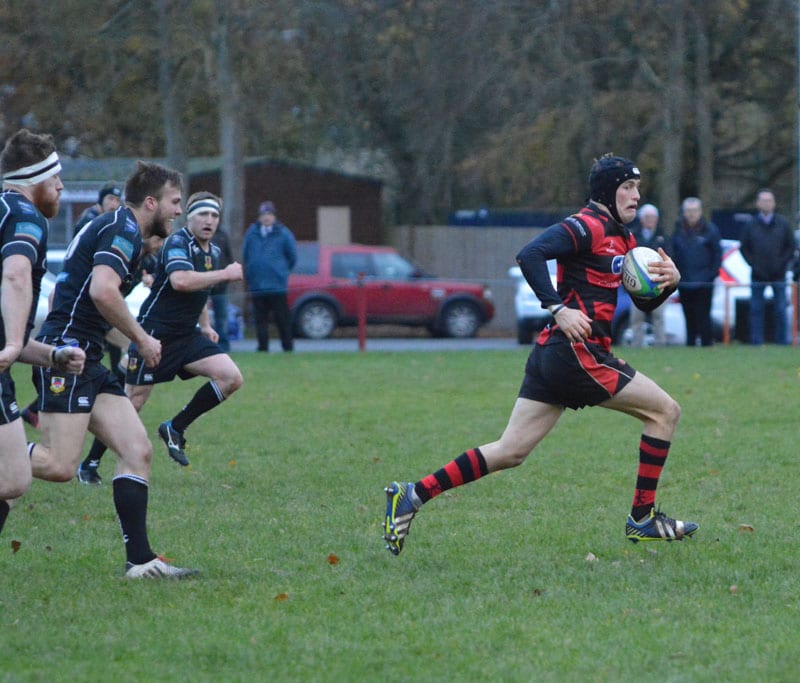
<point x="589" y="247"/>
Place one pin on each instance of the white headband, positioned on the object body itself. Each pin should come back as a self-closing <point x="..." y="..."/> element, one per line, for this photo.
<point x="35" y="173"/>
<point x="202" y="205"/>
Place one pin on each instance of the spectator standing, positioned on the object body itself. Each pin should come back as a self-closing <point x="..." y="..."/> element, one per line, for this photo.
<point x="269" y="254"/>
<point x="108" y="199"/>
<point x="698" y="255"/>
<point x="219" y="294"/>
<point x="768" y="245"/>
<point x="648" y="234"/>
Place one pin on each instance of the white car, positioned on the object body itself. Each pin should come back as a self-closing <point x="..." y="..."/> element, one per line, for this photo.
<point x="734" y="276"/>
<point x="531" y="317"/>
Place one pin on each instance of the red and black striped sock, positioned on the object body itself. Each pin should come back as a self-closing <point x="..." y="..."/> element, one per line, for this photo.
<point x="465" y="468"/>
<point x="652" y="456"/>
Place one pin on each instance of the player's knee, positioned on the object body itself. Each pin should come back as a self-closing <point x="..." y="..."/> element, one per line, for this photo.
<point x="138" y="454"/>
<point x="61" y="472"/>
<point x="16" y="486"/>
<point x="670" y="413"/>
<point x="231" y="382"/>
<point x="675" y="411"/>
<point x="512" y="455"/>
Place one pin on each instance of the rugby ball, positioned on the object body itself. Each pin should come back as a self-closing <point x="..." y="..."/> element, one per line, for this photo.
<point x="635" y="276"/>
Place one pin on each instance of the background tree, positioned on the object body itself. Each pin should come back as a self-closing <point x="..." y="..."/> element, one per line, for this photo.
<point x="453" y="105"/>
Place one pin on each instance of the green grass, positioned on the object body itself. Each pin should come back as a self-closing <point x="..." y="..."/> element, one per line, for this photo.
<point x="494" y="582"/>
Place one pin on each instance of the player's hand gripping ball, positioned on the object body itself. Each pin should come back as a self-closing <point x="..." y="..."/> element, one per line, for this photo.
<point x="635" y="277"/>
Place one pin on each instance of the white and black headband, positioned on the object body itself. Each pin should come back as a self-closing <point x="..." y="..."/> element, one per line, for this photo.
<point x="35" y="173"/>
<point x="201" y="205"/>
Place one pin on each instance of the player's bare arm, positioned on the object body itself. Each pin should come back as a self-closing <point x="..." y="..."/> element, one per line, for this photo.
<point x="193" y="281"/>
<point x="104" y="290"/>
<point x="16" y="295"/>
<point x="64" y="358"/>
<point x="204" y="321"/>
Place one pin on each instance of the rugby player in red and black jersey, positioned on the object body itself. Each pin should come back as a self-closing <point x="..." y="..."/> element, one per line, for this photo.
<point x="571" y="364"/>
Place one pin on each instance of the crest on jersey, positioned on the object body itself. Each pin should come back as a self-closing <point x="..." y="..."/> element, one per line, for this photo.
<point x="57" y="384"/>
<point x="208" y="263"/>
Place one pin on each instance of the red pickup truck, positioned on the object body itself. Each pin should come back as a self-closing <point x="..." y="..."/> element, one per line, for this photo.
<point x="324" y="293"/>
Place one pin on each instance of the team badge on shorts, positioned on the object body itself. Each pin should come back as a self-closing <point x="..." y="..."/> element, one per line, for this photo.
<point x="133" y="364"/>
<point x="57" y="385"/>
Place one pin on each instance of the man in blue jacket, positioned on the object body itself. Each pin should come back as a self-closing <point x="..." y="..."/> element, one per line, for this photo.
<point x="269" y="254"/>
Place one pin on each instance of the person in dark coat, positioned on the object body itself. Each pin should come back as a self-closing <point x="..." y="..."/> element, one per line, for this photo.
<point x="768" y="246"/>
<point x="698" y="255"/>
<point x="269" y="254"/>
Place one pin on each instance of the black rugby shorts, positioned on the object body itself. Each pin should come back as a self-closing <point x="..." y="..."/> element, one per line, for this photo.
<point x="573" y="375"/>
<point x="9" y="410"/>
<point x="176" y="353"/>
<point x="60" y="392"/>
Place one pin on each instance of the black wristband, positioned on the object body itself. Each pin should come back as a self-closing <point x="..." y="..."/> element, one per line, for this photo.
<point x="555" y="309"/>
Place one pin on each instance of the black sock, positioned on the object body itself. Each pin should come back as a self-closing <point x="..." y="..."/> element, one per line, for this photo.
<point x="4" y="509"/>
<point x="206" y="397"/>
<point x="130" y="499"/>
<point x="95" y="453"/>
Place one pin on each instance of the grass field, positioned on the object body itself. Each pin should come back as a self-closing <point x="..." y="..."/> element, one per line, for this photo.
<point x="282" y="510"/>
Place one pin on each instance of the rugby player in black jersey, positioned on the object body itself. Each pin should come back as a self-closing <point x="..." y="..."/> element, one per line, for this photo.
<point x="30" y="195"/>
<point x="99" y="268"/>
<point x="571" y="364"/>
<point x="187" y="270"/>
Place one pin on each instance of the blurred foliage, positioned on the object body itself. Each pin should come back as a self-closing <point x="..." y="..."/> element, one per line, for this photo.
<point x="453" y="104"/>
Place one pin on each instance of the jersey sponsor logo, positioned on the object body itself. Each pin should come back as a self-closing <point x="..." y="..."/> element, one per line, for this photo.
<point x="13" y="407"/>
<point x="124" y="246"/>
<point x="616" y="264"/>
<point x="57" y="384"/>
<point x="27" y="208"/>
<point x="176" y="254"/>
<point x="130" y="225"/>
<point x="29" y="230"/>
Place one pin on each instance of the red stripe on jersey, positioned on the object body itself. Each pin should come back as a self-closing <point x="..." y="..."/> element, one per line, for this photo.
<point x="605" y="376"/>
